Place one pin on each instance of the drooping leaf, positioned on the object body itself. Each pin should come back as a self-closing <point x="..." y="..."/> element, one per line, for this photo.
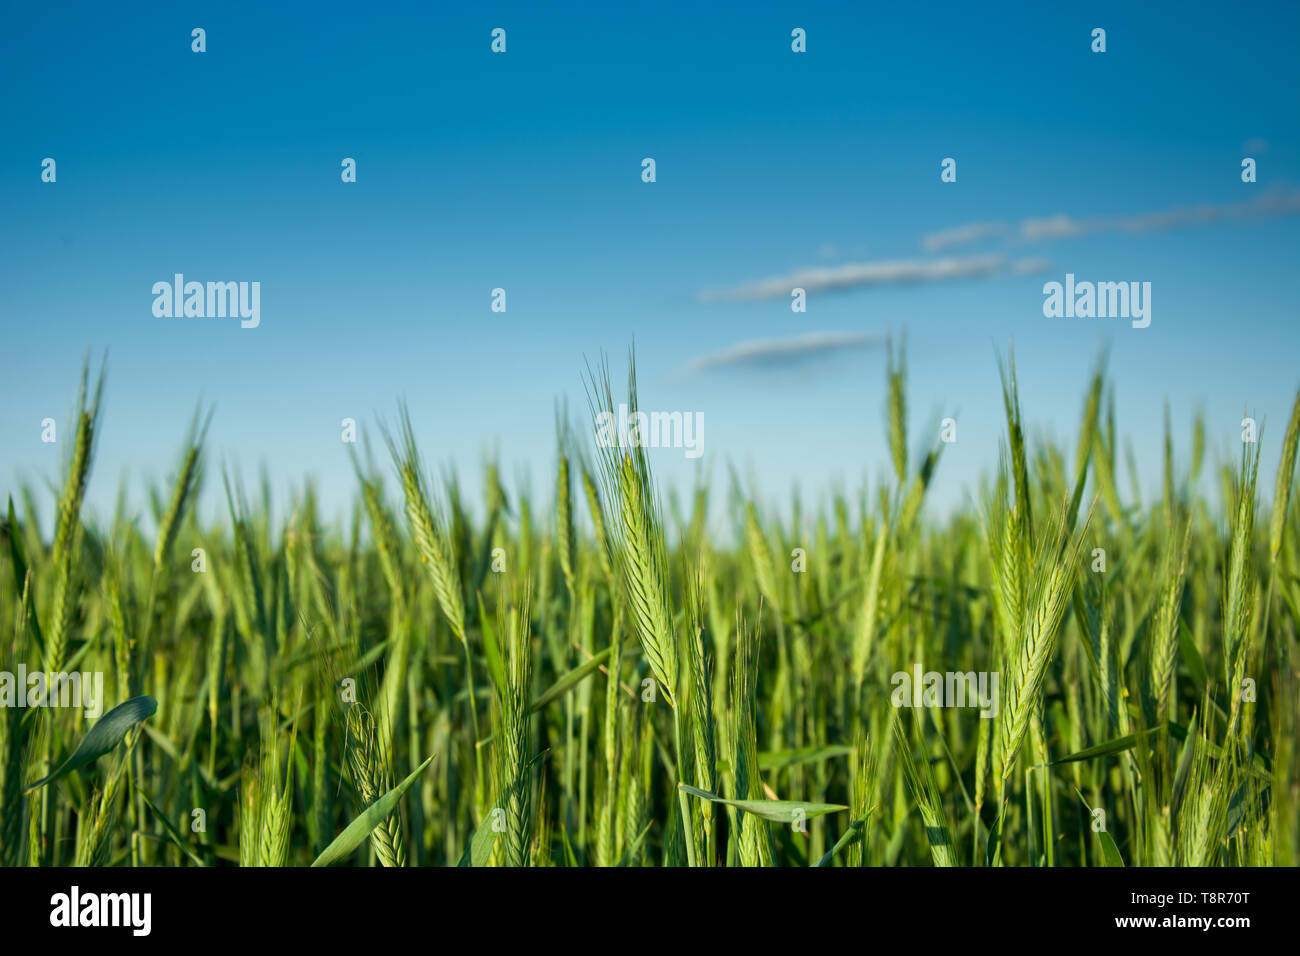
<point x="107" y="733"/>
<point x="780" y="811"/>
<point x="356" y="832"/>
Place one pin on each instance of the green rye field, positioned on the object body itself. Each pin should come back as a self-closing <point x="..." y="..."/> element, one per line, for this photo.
<point x="608" y="676"/>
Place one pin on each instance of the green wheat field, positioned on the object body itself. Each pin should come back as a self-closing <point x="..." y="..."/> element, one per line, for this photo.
<point x="594" y="677"/>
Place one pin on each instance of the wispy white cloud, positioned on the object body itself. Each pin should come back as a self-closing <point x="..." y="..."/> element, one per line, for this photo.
<point x="1273" y="203"/>
<point x="959" y="235"/>
<point x="854" y="275"/>
<point x="1053" y="227"/>
<point x="1265" y="206"/>
<point x="1282" y="202"/>
<point x="776" y="353"/>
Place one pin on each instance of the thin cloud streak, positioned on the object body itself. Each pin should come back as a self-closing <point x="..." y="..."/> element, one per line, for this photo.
<point x="779" y="353"/>
<point x="1061" y="226"/>
<point x="959" y="235"/>
<point x="855" y="275"/>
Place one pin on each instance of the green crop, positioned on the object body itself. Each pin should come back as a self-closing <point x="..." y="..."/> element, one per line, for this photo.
<point x="578" y="680"/>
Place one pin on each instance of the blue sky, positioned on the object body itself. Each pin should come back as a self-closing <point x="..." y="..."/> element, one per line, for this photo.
<point x="523" y="171"/>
